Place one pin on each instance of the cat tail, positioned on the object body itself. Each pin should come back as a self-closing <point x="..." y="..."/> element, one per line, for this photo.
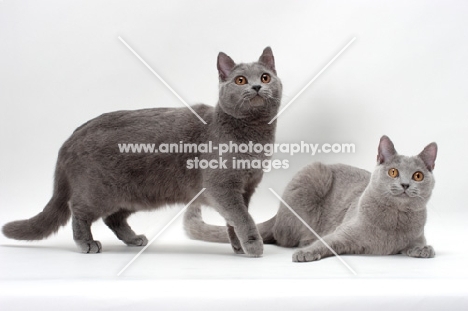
<point x="55" y="214"/>
<point x="197" y="229"/>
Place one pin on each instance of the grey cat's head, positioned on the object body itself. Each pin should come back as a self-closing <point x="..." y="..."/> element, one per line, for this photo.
<point x="249" y="90"/>
<point x="401" y="177"/>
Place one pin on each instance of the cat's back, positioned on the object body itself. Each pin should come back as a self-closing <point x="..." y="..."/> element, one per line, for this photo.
<point x="349" y="176"/>
<point x="320" y="180"/>
<point x="154" y="125"/>
<point x="147" y="119"/>
<point x="349" y="182"/>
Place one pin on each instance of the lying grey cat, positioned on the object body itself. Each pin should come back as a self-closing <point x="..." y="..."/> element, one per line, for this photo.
<point x="354" y="211"/>
<point x="93" y="179"/>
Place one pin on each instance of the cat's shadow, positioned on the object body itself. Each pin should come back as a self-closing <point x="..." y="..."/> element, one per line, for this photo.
<point x="168" y="249"/>
<point x="41" y="247"/>
<point x="115" y="249"/>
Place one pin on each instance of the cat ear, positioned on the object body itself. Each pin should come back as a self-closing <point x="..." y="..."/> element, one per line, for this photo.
<point x="225" y="66"/>
<point x="268" y="59"/>
<point x="386" y="150"/>
<point x="429" y="155"/>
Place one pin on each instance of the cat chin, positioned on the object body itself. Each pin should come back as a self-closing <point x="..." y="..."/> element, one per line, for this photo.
<point x="257" y="101"/>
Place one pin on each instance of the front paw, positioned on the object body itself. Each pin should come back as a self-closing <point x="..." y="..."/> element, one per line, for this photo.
<point x="137" y="240"/>
<point x="237" y="249"/>
<point x="89" y="247"/>
<point x="425" y="251"/>
<point x="253" y="248"/>
<point x="305" y="256"/>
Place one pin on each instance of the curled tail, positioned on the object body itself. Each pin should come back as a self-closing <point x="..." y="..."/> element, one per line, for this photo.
<point x="55" y="214"/>
<point x="197" y="229"/>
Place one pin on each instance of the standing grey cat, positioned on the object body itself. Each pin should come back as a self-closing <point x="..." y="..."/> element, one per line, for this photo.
<point x="93" y="179"/>
<point x="354" y="211"/>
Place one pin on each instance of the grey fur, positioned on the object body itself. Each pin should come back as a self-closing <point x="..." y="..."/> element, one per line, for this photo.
<point x="93" y="179"/>
<point x="355" y="212"/>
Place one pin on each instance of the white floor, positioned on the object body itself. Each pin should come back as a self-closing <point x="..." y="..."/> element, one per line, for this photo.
<point x="177" y="273"/>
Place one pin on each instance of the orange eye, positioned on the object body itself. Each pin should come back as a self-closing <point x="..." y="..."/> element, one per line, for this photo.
<point x="418" y="176"/>
<point x="393" y="172"/>
<point x="241" y="80"/>
<point x="266" y="78"/>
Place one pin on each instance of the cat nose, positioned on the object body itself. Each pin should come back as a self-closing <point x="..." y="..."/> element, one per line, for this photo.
<point x="257" y="87"/>
<point x="405" y="186"/>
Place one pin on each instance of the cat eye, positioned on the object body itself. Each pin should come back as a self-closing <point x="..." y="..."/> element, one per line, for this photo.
<point x="418" y="176"/>
<point x="393" y="172"/>
<point x="266" y="78"/>
<point x="241" y="80"/>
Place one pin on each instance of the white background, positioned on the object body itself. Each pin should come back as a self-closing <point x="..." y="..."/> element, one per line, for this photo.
<point x="405" y="76"/>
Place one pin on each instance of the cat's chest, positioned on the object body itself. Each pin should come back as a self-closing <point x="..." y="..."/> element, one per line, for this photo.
<point x="390" y="231"/>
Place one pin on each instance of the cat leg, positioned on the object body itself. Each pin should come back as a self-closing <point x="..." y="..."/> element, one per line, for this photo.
<point x="231" y="205"/>
<point x="248" y="236"/>
<point x="83" y="236"/>
<point x="339" y="243"/>
<point x="306" y="242"/>
<point x="419" y="249"/>
<point x="117" y="222"/>
<point x="306" y="237"/>
<point x="235" y="243"/>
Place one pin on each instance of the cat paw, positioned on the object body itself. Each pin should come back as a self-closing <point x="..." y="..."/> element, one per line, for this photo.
<point x="237" y="249"/>
<point x="305" y="256"/>
<point x="425" y="251"/>
<point x="236" y="245"/>
<point x="89" y="247"/>
<point x="253" y="248"/>
<point x="138" y="240"/>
